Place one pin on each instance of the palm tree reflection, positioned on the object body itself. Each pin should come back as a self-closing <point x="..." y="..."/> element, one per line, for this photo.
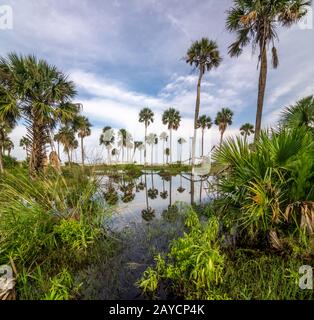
<point x="148" y="214"/>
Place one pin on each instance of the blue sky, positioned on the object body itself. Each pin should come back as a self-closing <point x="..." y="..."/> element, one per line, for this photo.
<point x="125" y="55"/>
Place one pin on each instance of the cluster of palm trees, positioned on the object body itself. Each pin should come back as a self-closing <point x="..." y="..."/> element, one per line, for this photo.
<point x="40" y="95"/>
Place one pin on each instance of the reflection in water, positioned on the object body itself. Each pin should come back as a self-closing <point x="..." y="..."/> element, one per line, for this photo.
<point x="150" y="196"/>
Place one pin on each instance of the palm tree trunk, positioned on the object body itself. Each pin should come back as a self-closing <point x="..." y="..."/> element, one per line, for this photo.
<point x="202" y="142"/>
<point x="145" y="144"/>
<point x="221" y="138"/>
<point x="69" y="158"/>
<point x="170" y="149"/>
<point x="196" y="115"/>
<point x="152" y="155"/>
<point x="38" y="146"/>
<point x="163" y="152"/>
<point x="261" y="92"/>
<point x="82" y="150"/>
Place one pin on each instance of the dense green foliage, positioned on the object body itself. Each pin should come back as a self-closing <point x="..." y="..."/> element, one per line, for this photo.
<point x="47" y="227"/>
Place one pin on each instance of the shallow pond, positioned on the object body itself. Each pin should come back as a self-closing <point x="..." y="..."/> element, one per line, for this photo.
<point x="141" y="200"/>
<point x="146" y="218"/>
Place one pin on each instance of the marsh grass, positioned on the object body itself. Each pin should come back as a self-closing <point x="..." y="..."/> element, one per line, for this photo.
<point x="48" y="227"/>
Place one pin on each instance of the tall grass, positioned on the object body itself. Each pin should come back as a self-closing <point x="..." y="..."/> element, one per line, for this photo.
<point x="47" y="226"/>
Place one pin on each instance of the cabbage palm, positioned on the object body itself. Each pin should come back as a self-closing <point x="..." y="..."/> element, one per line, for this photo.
<point x="151" y="140"/>
<point x="146" y="116"/>
<point x="5" y="129"/>
<point x="255" y="22"/>
<point x="8" y="146"/>
<point x="66" y="137"/>
<point x="172" y="118"/>
<point x="204" y="56"/>
<point x="25" y="144"/>
<point x="246" y="130"/>
<point x="107" y="139"/>
<point x="300" y="114"/>
<point x="137" y="145"/>
<point x="204" y="122"/>
<point x="223" y="119"/>
<point x="83" y="127"/>
<point x="141" y="148"/>
<point x="164" y="138"/>
<point x="38" y="93"/>
<point x="181" y="141"/>
<point x="122" y="133"/>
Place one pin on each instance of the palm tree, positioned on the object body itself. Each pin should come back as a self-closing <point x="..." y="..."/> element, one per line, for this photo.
<point x="146" y="115"/>
<point x="122" y="133"/>
<point x="67" y="139"/>
<point x="167" y="153"/>
<point x="223" y="119"/>
<point x="204" y="56"/>
<point x="172" y="118"/>
<point x="141" y="147"/>
<point x="25" y="144"/>
<point x="181" y="141"/>
<point x="83" y="127"/>
<point x="151" y="140"/>
<point x="56" y="138"/>
<point x="246" y="130"/>
<point x="8" y="145"/>
<point x="300" y="114"/>
<point x="5" y="129"/>
<point x="40" y="94"/>
<point x="137" y="145"/>
<point x="204" y="122"/>
<point x="164" y="138"/>
<point x="255" y="22"/>
<point x="115" y="153"/>
<point x="107" y="139"/>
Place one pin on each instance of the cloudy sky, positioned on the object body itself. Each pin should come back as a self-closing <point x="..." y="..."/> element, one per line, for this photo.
<point x="124" y="55"/>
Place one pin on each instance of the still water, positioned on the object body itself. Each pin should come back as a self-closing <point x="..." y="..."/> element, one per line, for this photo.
<point x="144" y="199"/>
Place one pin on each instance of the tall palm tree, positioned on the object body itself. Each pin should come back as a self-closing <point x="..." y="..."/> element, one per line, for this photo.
<point x="164" y="138"/>
<point x="172" y="118"/>
<point x="246" y="130"/>
<point x="204" y="56"/>
<point x="146" y="116"/>
<point x="83" y="127"/>
<point x="56" y="138"/>
<point x="137" y="145"/>
<point x="255" y="22"/>
<point x="300" y="114"/>
<point x="151" y="140"/>
<point x="25" y="144"/>
<point x="223" y="119"/>
<point x="107" y="139"/>
<point x="123" y="138"/>
<point x="181" y="141"/>
<point x="141" y="148"/>
<point x="40" y="94"/>
<point x="204" y="122"/>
